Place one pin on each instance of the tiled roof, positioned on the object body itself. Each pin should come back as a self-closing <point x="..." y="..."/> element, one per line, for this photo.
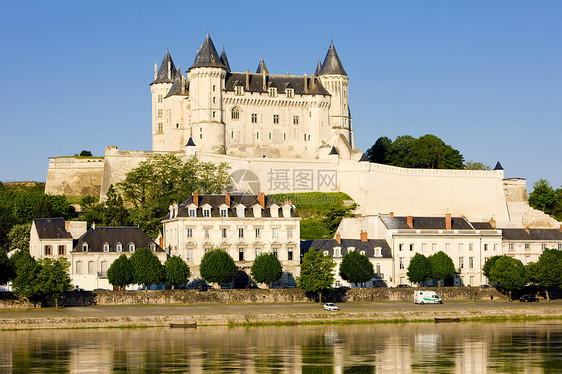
<point x="207" y="56"/>
<point x="332" y="63"/>
<point x="482" y="225"/>
<point x="97" y="237"/>
<point x="261" y="67"/>
<point x="280" y="81"/>
<point x="426" y="223"/>
<point x="224" y="59"/>
<point x="532" y="234"/>
<point x="162" y="76"/>
<point x="176" y="88"/>
<point x="359" y="245"/>
<point x="51" y="228"/>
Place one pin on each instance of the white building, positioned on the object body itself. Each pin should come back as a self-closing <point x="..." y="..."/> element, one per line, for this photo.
<point x="242" y="225"/>
<point x="528" y="244"/>
<point x="90" y="252"/>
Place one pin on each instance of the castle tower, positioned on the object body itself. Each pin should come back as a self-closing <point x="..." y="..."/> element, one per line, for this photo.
<point x="335" y="80"/>
<point x="163" y="81"/>
<point x="206" y="83"/>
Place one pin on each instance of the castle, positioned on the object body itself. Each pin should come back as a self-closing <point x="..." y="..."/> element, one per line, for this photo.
<point x="289" y="133"/>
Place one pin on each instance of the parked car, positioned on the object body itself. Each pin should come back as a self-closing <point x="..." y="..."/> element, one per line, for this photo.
<point x="404" y="285"/>
<point x="528" y="299"/>
<point x="426" y="297"/>
<point x="331" y="307"/>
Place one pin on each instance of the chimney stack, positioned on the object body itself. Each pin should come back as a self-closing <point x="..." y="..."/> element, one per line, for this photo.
<point x="448" y="221"/>
<point x="493" y="222"/>
<point x="227" y="199"/>
<point x="363" y="236"/>
<point x="161" y="242"/>
<point x="261" y="199"/>
<point x="169" y="69"/>
<point x="410" y="221"/>
<point x="66" y="225"/>
<point x="338" y="238"/>
<point x="93" y="225"/>
<point x="305" y="83"/>
<point x="391" y="214"/>
<point x="155" y="70"/>
<point x="247" y="88"/>
<point x="196" y="198"/>
<point x="264" y="80"/>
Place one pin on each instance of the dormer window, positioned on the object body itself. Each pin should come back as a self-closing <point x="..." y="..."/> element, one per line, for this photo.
<point x="272" y="92"/>
<point x="85" y="247"/>
<point x="290" y="92"/>
<point x="131" y="247"/>
<point x="119" y="247"/>
<point x="337" y="252"/>
<point x="192" y="213"/>
<point x="240" y="211"/>
<point x="206" y="212"/>
<point x="239" y="90"/>
<point x="106" y="247"/>
<point x="362" y="252"/>
<point x="224" y="213"/>
<point x="152" y="247"/>
<point x="378" y="252"/>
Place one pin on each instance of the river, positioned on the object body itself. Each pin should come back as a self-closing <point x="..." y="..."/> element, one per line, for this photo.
<point x="530" y="347"/>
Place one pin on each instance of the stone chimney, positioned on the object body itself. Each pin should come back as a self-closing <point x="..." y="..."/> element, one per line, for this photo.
<point x="161" y="242"/>
<point x="261" y="199"/>
<point x="305" y="83"/>
<point x="227" y="199"/>
<point x="264" y="80"/>
<point x="363" y="236"/>
<point x="391" y="214"/>
<point x="448" y="223"/>
<point x="196" y="198"/>
<point x="93" y="225"/>
<point x="247" y="88"/>
<point x="155" y="70"/>
<point x="410" y="221"/>
<point x="169" y="69"/>
<point x="493" y="222"/>
<point x="66" y="225"/>
<point x="338" y="238"/>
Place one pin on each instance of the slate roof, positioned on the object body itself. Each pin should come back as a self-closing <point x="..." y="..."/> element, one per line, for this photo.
<point x="332" y="63"/>
<point x="190" y="143"/>
<point x="280" y="81"/>
<point x="482" y="225"/>
<point x="162" y="76"/>
<point x="498" y="166"/>
<point x="329" y="245"/>
<point x="333" y="151"/>
<point x="261" y="67"/>
<point x="176" y="88"/>
<point x="207" y="56"/>
<point x="97" y="237"/>
<point x="426" y="223"/>
<point x="51" y="228"/>
<point x="532" y="234"/>
<point x="224" y="59"/>
<point x="215" y="201"/>
<point x="318" y="68"/>
<point x="364" y="158"/>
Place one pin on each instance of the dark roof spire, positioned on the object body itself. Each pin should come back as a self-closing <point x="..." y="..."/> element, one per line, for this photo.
<point x="333" y="151"/>
<point x="318" y="68"/>
<point x="208" y="56"/>
<point x="190" y="143"/>
<point x="498" y="166"/>
<point x="179" y="86"/>
<point x="261" y="67"/>
<point x="165" y="75"/>
<point x="332" y="63"/>
<point x="364" y="158"/>
<point x="224" y="60"/>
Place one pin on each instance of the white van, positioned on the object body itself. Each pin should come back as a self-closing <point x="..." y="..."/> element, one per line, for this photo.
<point x="426" y="297"/>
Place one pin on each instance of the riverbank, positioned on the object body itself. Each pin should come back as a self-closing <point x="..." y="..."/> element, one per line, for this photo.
<point x="137" y="316"/>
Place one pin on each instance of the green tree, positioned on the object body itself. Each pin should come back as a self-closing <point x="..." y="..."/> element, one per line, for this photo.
<point x="53" y="279"/>
<point x="473" y="165"/>
<point x="85" y="153"/>
<point x="334" y="217"/>
<point x="176" y="271"/>
<point x="266" y="268"/>
<point x="27" y="271"/>
<point x="356" y="268"/>
<point x="18" y="237"/>
<point x="543" y="197"/>
<point x="218" y="267"/>
<point x="488" y="265"/>
<point x="114" y="212"/>
<point x="6" y="273"/>
<point x="147" y="268"/>
<point x="379" y="152"/>
<point x="548" y="270"/>
<point x="441" y="266"/>
<point x="314" y="228"/>
<point x="419" y="269"/>
<point x="510" y="272"/>
<point x="120" y="273"/>
<point x="317" y="272"/>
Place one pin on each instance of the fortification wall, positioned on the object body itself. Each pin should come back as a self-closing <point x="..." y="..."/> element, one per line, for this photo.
<point x="75" y="176"/>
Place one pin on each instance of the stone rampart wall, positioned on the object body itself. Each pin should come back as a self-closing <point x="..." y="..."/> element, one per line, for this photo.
<point x="74" y="176"/>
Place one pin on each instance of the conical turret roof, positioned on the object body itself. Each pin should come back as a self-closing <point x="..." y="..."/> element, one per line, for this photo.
<point x="318" y="68"/>
<point x="364" y="158"/>
<point x="163" y="76"/>
<point x="179" y="87"/>
<point x="224" y="60"/>
<point x="261" y="67"/>
<point x="332" y="63"/>
<point x="498" y="166"/>
<point x="208" y="56"/>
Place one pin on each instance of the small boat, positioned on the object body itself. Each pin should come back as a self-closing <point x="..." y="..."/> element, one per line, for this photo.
<point x="183" y="325"/>
<point x="440" y="320"/>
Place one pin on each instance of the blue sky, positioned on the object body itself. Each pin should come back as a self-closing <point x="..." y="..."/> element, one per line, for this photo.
<point x="486" y="77"/>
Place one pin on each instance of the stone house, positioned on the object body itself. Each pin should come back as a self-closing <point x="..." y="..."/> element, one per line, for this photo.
<point x="528" y="244"/>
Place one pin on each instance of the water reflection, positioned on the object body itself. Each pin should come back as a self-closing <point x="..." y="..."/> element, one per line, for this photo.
<point x="413" y="348"/>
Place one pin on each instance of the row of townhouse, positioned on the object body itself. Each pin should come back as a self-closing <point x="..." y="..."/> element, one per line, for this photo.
<point x="247" y="225"/>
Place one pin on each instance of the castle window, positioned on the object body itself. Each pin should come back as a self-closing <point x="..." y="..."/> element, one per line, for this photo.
<point x="48" y="250"/>
<point x="238" y="90"/>
<point x="160" y="113"/>
<point x="189" y="232"/>
<point x="207" y="233"/>
<point x="276" y="118"/>
<point x="240" y="232"/>
<point x="254" y="118"/>
<point x="234" y="113"/>
<point x="214" y="87"/>
<point x="106" y="247"/>
<point x="290" y="92"/>
<point x="275" y="233"/>
<point x="295" y="120"/>
<point x="275" y="252"/>
<point x="119" y="247"/>
<point x="273" y="92"/>
<point x="257" y="135"/>
<point x="258" y="232"/>
<point x="269" y="135"/>
<point x="284" y="136"/>
<point x="213" y="114"/>
<point x="232" y="134"/>
<point x="78" y="267"/>
<point x="308" y="137"/>
<point x="160" y="128"/>
<point x="223" y="233"/>
<point x="290" y="254"/>
<point x="240" y="254"/>
<point x="224" y="213"/>
<point x="91" y="267"/>
<point x="289" y="233"/>
<point x="214" y="99"/>
<point x="159" y="98"/>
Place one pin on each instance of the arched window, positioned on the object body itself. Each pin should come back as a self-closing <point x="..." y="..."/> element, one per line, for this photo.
<point x="91" y="267"/>
<point x="78" y="267"/>
<point x="235" y="113"/>
<point x="104" y="268"/>
<point x="131" y="247"/>
<point x="106" y="247"/>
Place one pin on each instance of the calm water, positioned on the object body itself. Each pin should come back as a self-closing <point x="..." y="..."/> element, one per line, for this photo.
<point x="414" y="348"/>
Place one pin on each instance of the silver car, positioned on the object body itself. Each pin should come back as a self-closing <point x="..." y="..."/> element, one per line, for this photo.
<point x="331" y="307"/>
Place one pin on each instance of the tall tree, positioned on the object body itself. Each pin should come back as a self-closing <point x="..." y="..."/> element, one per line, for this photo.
<point x="548" y="271"/>
<point x="18" y="236"/>
<point x="176" y="272"/>
<point x="356" y="268"/>
<point x="488" y="265"/>
<point x="419" y="269"/>
<point x="53" y="279"/>
<point x="6" y="273"/>
<point x="114" y="212"/>
<point x="217" y="267"/>
<point x="543" y="196"/>
<point x="474" y="165"/>
<point x="317" y="272"/>
<point x="442" y="266"/>
<point x="266" y="268"/>
<point x="26" y="270"/>
<point x="380" y="151"/>
<point x="510" y="272"/>
<point x="120" y="272"/>
<point x="147" y="268"/>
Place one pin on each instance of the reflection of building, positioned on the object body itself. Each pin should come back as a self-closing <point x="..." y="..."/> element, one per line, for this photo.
<point x="377" y="250"/>
<point x="242" y="225"/>
<point x="90" y="252"/>
<point x="528" y="244"/>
